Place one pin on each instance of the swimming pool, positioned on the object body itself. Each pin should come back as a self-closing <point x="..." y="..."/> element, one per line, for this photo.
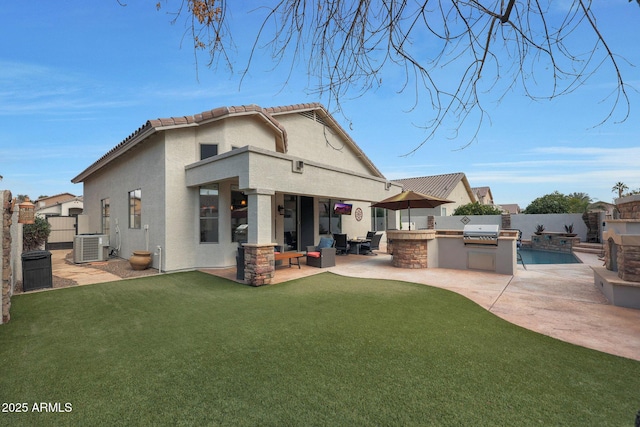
<point x="530" y="256"/>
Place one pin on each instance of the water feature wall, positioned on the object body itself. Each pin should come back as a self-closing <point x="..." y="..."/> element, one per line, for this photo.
<point x="622" y="240"/>
<point x="554" y="242"/>
<point x="619" y="279"/>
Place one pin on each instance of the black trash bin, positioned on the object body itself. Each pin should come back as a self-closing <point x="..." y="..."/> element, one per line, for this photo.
<point x="36" y="270"/>
<point x="240" y="263"/>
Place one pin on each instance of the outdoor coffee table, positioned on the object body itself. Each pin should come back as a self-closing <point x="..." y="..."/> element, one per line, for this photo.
<point x="290" y="256"/>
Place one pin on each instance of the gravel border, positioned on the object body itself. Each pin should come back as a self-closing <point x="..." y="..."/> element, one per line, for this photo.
<point x="117" y="266"/>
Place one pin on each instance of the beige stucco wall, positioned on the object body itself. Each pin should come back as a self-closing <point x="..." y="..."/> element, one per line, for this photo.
<point x="313" y="141"/>
<point x="459" y="195"/>
<point x="166" y="167"/>
<point x="265" y="169"/>
<point x="268" y="171"/>
<point x="454" y="254"/>
<point x="144" y="168"/>
<point x="351" y="226"/>
<point x="236" y="132"/>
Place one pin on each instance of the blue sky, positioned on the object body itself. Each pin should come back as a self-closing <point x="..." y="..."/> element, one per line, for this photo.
<point x="78" y="77"/>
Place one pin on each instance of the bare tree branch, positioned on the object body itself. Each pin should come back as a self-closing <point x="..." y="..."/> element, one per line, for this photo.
<point x="454" y="54"/>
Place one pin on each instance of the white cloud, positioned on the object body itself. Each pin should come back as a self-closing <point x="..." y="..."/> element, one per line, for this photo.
<point x="33" y="88"/>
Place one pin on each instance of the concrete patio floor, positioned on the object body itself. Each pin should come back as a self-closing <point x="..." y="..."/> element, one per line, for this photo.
<point x="558" y="300"/>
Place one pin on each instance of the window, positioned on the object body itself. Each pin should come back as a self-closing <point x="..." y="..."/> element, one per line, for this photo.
<point x="106" y="221"/>
<point x="208" y="150"/>
<point x="378" y="219"/>
<point x="209" y="214"/>
<point x="135" y="208"/>
<point x="239" y="223"/>
<point x="328" y="222"/>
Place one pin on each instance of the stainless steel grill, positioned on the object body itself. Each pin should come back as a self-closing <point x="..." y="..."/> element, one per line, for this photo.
<point x="481" y="234"/>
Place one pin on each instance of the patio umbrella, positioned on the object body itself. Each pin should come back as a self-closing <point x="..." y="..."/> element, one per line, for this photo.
<point x="410" y="199"/>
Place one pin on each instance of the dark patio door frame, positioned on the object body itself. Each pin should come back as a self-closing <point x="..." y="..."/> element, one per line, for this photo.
<point x="304" y="221"/>
<point x="307" y="226"/>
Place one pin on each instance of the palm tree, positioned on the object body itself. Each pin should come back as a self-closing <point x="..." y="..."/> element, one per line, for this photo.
<point x="620" y="187"/>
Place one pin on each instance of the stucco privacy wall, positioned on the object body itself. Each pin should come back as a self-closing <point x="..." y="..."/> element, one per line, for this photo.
<point x="523" y="222"/>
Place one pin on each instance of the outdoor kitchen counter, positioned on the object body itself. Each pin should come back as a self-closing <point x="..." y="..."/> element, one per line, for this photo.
<point x="446" y="249"/>
<point x="452" y="252"/>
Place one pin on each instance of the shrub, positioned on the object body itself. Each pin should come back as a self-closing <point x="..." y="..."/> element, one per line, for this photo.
<point x="476" y="208"/>
<point x="34" y="235"/>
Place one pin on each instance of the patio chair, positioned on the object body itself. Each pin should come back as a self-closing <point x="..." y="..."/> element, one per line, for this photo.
<point x="373" y="245"/>
<point x="323" y="255"/>
<point x="342" y="246"/>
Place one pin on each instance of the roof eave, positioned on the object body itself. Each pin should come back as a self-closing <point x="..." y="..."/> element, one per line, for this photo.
<point x="116" y="152"/>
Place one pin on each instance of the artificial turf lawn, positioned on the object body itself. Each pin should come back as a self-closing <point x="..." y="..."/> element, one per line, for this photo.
<point x="194" y="349"/>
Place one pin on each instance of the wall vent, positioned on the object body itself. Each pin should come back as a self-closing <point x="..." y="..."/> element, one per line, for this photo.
<point x="298" y="166"/>
<point x="313" y="115"/>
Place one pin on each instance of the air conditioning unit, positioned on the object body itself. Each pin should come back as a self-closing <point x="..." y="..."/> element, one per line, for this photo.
<point x="90" y="248"/>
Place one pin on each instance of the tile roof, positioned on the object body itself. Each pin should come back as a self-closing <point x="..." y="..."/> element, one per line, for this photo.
<point x="267" y="114"/>
<point x="436" y="185"/>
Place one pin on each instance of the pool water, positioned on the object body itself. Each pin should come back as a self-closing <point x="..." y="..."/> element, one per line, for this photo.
<point x="545" y="257"/>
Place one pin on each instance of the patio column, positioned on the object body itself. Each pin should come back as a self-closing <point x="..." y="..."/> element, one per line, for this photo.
<point x="259" y="215"/>
<point x="259" y="264"/>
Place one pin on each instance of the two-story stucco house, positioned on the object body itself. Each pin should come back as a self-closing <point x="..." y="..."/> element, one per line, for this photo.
<point x="192" y="188"/>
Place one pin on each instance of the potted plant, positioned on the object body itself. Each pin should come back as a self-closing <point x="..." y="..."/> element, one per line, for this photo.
<point x="569" y="231"/>
<point x="539" y="229"/>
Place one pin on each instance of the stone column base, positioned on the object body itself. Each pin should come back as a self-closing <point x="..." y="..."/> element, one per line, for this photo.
<point x="410" y="253"/>
<point x="259" y="264"/>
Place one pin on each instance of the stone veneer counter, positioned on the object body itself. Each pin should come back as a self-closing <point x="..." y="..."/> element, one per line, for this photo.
<point x="410" y="247"/>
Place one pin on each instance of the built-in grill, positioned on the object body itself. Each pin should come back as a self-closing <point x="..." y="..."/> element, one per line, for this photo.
<point x="481" y="234"/>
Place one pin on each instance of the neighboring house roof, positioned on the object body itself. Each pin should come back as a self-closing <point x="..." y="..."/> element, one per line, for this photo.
<point x="64" y="207"/>
<point x="483" y="194"/>
<point x="40" y="207"/>
<point x="267" y="115"/>
<point x="52" y="200"/>
<point x="512" y="208"/>
<point x="437" y="185"/>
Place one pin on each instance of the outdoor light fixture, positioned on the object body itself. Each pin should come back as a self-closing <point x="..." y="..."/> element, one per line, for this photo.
<point x="281" y="209"/>
<point x="26" y="212"/>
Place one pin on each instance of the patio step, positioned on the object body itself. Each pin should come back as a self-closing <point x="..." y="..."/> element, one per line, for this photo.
<point x="590" y="248"/>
